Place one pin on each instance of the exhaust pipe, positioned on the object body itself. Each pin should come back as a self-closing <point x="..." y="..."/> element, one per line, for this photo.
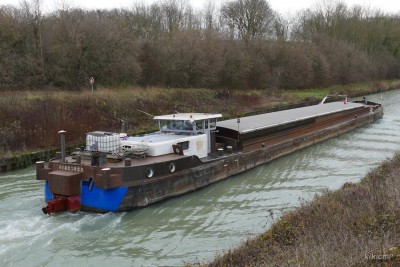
<point x="123" y="127"/>
<point x="62" y="135"/>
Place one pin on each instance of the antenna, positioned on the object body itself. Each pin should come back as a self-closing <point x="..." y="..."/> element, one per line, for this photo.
<point x="334" y="95"/>
<point x="148" y="114"/>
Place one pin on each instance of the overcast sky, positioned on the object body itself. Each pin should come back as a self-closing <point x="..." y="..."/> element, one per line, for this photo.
<point x="282" y="6"/>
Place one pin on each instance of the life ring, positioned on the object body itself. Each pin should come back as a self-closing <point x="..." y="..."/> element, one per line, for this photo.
<point x="172" y="167"/>
<point x="149" y="172"/>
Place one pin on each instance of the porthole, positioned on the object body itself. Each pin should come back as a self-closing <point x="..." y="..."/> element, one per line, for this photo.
<point x="172" y="167"/>
<point x="149" y="172"/>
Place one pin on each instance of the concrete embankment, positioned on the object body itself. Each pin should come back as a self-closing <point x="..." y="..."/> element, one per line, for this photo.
<point x="26" y="159"/>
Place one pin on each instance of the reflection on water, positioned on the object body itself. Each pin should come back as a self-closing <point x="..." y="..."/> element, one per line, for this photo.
<point x="194" y="227"/>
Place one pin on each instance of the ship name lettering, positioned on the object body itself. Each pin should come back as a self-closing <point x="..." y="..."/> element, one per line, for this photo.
<point x="70" y="168"/>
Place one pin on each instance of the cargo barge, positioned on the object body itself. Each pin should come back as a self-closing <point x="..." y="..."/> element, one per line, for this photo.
<point x="115" y="172"/>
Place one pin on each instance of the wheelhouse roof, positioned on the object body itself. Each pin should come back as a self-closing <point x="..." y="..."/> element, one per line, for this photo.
<point x="188" y="116"/>
<point x="269" y="120"/>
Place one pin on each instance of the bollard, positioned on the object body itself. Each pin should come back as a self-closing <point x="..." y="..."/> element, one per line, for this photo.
<point x="39" y="165"/>
<point x="106" y="173"/>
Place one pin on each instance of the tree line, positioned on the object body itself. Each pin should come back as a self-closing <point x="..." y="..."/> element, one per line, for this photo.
<point x="242" y="44"/>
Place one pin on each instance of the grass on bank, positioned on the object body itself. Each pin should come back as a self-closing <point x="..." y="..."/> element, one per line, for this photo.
<point x="357" y="225"/>
<point x="351" y="89"/>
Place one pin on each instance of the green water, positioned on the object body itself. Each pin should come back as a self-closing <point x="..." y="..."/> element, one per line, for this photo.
<point x="191" y="228"/>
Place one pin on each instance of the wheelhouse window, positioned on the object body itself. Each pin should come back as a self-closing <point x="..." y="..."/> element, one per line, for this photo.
<point x="199" y="125"/>
<point x="213" y="124"/>
<point x="175" y="125"/>
<point x="191" y="126"/>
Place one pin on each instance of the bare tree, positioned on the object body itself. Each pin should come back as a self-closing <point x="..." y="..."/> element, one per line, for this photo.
<point x="33" y="14"/>
<point x="209" y="14"/>
<point x="281" y="27"/>
<point x="145" y="22"/>
<point x="248" y="19"/>
<point x="170" y="44"/>
<point x="174" y="12"/>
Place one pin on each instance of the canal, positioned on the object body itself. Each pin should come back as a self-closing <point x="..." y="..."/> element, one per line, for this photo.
<point x="195" y="227"/>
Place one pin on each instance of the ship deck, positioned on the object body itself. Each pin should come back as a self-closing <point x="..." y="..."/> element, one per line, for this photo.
<point x="118" y="161"/>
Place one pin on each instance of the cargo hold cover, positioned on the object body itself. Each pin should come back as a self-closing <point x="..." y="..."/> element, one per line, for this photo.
<point x="269" y="120"/>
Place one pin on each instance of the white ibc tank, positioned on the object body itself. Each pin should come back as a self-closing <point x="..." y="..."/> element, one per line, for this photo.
<point x="102" y="141"/>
